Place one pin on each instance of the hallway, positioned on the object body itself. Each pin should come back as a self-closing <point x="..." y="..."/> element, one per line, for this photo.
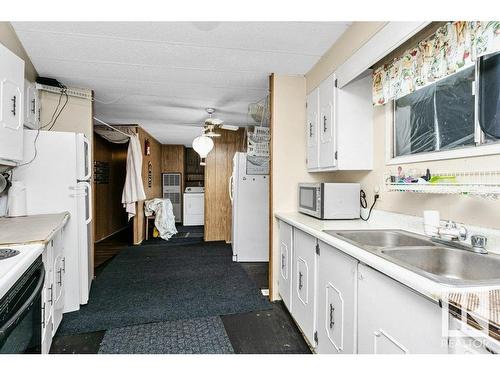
<point x="188" y="298"/>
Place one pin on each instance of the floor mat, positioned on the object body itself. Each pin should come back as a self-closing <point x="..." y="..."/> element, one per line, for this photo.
<point x="146" y="284"/>
<point x="189" y="336"/>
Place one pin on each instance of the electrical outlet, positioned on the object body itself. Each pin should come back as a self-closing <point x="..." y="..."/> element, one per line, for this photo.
<point x="376" y="191"/>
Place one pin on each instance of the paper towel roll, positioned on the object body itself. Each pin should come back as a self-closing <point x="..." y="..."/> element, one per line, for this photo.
<point x="16" y="205"/>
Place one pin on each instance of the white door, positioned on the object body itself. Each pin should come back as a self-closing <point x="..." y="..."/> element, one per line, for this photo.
<point x="312" y="129"/>
<point x="327" y="136"/>
<point x="393" y="319"/>
<point x="51" y="187"/>
<point x="251" y="219"/>
<point x="83" y="221"/>
<point x="337" y="278"/>
<point x="286" y="256"/>
<point x="11" y="105"/>
<point x="304" y="283"/>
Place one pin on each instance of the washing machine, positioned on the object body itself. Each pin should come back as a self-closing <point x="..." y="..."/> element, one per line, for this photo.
<point x="194" y="206"/>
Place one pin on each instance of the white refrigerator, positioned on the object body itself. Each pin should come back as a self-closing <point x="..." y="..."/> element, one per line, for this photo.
<point x="249" y="193"/>
<point x="57" y="180"/>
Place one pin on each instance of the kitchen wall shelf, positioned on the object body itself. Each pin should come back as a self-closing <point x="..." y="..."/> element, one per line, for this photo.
<point x="484" y="184"/>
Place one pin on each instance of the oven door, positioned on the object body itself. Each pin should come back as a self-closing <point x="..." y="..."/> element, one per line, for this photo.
<point x="310" y="199"/>
<point x="21" y="312"/>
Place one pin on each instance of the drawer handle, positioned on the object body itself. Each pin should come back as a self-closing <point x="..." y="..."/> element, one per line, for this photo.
<point x="310" y="130"/>
<point x="14" y="104"/>
<point x="282" y="261"/>
<point x="324" y="124"/>
<point x="33" y="109"/>
<point x="332" y="310"/>
<point x="300" y="281"/>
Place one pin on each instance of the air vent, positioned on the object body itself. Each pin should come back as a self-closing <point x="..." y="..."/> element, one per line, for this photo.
<point x="172" y="190"/>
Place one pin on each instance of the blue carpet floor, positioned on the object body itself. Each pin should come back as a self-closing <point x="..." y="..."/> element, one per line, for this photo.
<point x="148" y="284"/>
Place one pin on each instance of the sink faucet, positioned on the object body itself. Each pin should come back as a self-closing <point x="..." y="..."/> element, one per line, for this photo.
<point x="451" y="234"/>
<point x="452" y="231"/>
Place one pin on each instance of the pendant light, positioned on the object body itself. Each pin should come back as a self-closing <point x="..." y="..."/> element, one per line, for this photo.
<point x="203" y="145"/>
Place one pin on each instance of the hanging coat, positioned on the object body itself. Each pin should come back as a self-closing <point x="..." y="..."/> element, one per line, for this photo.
<point x="133" y="190"/>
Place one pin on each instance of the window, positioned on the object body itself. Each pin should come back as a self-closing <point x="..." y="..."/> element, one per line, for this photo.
<point x="442" y="116"/>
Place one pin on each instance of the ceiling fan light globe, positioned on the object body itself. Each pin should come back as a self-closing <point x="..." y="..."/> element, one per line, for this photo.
<point x="203" y="145"/>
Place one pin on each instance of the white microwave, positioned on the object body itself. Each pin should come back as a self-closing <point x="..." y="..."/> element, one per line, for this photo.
<point x="330" y="200"/>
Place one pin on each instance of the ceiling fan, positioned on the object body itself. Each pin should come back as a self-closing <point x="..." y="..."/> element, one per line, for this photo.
<point x="212" y="123"/>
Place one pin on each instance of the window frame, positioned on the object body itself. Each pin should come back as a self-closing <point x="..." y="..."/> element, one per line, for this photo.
<point x="480" y="147"/>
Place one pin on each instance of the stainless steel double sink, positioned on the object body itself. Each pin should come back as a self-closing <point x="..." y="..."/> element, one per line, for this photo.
<point x="444" y="264"/>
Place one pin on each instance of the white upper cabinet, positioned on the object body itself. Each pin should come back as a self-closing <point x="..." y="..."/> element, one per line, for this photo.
<point x="312" y="129"/>
<point x="327" y="136"/>
<point x="344" y="125"/>
<point x="11" y="107"/>
<point x="31" y="106"/>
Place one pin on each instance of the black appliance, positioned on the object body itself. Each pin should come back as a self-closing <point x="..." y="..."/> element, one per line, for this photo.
<point x="21" y="313"/>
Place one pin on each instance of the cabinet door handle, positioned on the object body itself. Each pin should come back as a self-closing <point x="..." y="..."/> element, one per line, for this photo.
<point x="332" y="321"/>
<point x="60" y="276"/>
<point x="14" y="104"/>
<point x="282" y="261"/>
<point x="33" y="107"/>
<point x="64" y="265"/>
<point x="324" y="124"/>
<point x="310" y="130"/>
<point x="51" y="294"/>
<point x="43" y="315"/>
<point x="300" y="281"/>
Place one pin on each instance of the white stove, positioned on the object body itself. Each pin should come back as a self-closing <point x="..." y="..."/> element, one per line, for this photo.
<point x="13" y="267"/>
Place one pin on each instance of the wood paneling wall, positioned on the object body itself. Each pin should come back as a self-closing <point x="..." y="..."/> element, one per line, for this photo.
<point x="151" y="192"/>
<point x="109" y="214"/>
<point x="217" y="172"/>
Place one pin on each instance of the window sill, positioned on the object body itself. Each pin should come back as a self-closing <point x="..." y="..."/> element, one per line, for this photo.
<point x="483" y="150"/>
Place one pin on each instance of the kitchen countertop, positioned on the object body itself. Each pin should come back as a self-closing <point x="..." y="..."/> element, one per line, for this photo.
<point x="28" y="235"/>
<point x="30" y="229"/>
<point x="458" y="297"/>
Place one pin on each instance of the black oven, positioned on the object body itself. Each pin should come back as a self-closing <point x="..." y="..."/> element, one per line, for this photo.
<point x="21" y="313"/>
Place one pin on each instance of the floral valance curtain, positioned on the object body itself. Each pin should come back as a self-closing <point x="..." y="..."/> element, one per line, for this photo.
<point x="452" y="47"/>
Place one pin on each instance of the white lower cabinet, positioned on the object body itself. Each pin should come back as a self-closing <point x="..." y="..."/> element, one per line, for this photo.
<point x="285" y="273"/>
<point x="392" y="319"/>
<point x="47" y="299"/>
<point x="53" y="289"/>
<point x="304" y="283"/>
<point x="336" y="315"/>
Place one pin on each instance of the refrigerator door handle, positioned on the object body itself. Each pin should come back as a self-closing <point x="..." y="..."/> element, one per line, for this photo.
<point x="231" y="188"/>
<point x="88" y="200"/>
<point x="87" y="157"/>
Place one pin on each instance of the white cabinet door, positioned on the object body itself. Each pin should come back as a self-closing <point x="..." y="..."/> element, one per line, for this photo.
<point x="11" y="105"/>
<point x="58" y="280"/>
<point x="304" y="283"/>
<point x="336" y="323"/>
<point x="47" y="299"/>
<point x="392" y="319"/>
<point x="31" y="106"/>
<point x="286" y="256"/>
<point x="312" y="129"/>
<point x="327" y="136"/>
